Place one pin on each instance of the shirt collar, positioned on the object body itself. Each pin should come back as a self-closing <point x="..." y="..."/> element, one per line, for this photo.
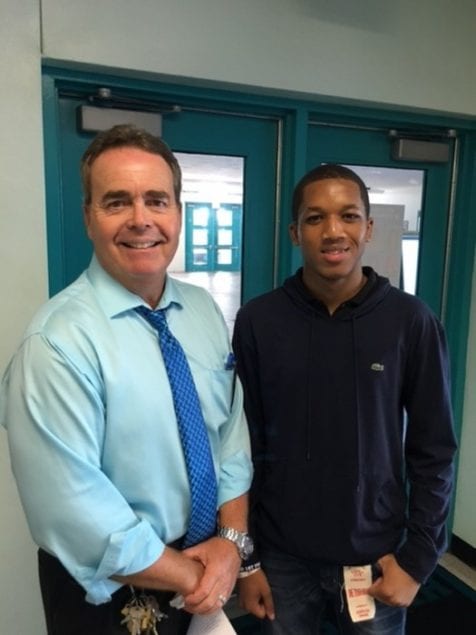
<point x="116" y="299"/>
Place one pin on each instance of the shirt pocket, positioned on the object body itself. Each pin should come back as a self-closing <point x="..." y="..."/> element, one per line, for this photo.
<point x="215" y="389"/>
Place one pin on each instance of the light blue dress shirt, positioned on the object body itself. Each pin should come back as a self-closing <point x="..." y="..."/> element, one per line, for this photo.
<point x="94" y="443"/>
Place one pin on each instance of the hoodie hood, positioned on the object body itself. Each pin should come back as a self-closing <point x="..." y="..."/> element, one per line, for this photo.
<point x="373" y="292"/>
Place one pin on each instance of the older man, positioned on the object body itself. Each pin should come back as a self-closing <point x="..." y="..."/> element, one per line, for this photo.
<point x="97" y="425"/>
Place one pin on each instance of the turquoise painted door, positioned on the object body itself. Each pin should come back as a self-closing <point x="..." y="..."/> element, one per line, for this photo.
<point x="188" y="131"/>
<point x="371" y="148"/>
<point x="213" y="237"/>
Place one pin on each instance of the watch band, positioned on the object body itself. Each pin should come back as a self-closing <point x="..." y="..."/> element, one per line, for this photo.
<point x="241" y="539"/>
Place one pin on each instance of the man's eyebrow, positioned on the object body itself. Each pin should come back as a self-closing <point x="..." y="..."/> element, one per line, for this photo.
<point x="124" y="194"/>
<point x="157" y="194"/>
<point x="114" y="194"/>
<point x="352" y="206"/>
<point x="344" y="208"/>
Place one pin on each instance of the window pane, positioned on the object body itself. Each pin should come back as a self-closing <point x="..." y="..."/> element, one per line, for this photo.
<point x="200" y="256"/>
<point x="225" y="237"/>
<point x="200" y="236"/>
<point x="224" y="217"/>
<point x="200" y="216"/>
<point x="224" y="256"/>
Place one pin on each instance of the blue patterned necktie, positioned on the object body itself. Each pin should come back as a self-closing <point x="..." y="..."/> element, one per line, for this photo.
<point x="193" y="432"/>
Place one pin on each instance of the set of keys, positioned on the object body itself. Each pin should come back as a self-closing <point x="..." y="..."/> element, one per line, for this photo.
<point x="141" y="614"/>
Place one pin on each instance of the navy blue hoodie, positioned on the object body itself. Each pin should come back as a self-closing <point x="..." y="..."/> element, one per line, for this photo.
<point x="341" y="473"/>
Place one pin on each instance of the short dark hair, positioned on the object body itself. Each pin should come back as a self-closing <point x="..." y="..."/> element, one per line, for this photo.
<point x="127" y="136"/>
<point x="328" y="171"/>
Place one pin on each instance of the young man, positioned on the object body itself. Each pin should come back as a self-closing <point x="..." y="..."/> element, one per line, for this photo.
<point x="95" y="425"/>
<point x="347" y="397"/>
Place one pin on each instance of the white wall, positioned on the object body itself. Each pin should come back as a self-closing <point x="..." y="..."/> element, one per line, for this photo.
<point x="22" y="279"/>
<point x="419" y="54"/>
<point x="401" y="53"/>
<point x="465" y="506"/>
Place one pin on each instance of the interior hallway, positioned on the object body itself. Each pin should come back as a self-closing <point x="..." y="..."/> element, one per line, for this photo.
<point x="224" y="286"/>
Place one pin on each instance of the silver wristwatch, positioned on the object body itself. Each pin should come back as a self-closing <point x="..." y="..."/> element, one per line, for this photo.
<point x="241" y="539"/>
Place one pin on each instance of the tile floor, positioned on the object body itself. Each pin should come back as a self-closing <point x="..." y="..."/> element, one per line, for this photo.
<point x="225" y="287"/>
<point x="460" y="569"/>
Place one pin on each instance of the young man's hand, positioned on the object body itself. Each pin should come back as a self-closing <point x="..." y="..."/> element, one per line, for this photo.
<point x="255" y="595"/>
<point x="395" y="586"/>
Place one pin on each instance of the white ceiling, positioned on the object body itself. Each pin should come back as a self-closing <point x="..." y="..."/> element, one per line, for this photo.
<point x="229" y="169"/>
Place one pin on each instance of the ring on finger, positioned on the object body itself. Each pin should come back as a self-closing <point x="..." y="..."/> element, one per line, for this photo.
<point x="222" y="599"/>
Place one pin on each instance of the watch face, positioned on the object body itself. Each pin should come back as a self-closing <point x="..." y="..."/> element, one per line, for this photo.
<point x="243" y="541"/>
<point x="247" y="547"/>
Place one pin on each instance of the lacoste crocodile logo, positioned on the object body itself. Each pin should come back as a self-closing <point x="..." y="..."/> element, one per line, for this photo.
<point x="378" y="367"/>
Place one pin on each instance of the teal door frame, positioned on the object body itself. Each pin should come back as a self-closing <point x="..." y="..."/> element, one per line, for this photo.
<point x="294" y="116"/>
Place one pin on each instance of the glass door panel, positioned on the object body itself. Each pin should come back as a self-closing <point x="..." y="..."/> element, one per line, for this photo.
<point x="419" y="190"/>
<point x="395" y="205"/>
<point x="218" y="180"/>
<point x="212" y="231"/>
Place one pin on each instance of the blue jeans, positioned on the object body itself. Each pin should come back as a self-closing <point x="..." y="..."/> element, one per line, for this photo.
<point x="305" y="593"/>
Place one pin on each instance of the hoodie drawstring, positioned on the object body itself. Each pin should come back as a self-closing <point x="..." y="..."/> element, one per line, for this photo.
<point x="357" y="400"/>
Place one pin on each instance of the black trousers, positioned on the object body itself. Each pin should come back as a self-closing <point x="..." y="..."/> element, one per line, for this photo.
<point x="68" y="613"/>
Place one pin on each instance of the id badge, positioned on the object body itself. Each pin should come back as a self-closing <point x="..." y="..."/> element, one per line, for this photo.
<point x="356" y="582"/>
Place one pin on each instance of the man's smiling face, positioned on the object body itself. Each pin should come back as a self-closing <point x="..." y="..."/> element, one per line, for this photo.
<point x="332" y="230"/>
<point x="133" y="219"/>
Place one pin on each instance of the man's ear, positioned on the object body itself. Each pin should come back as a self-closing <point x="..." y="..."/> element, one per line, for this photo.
<point x="370" y="230"/>
<point x="294" y="234"/>
<point x="87" y="218"/>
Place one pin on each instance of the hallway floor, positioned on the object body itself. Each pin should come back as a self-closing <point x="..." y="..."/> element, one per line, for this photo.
<point x="224" y="286"/>
<point x="459" y="569"/>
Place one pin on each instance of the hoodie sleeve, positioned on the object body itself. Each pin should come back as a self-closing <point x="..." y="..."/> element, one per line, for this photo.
<point x="430" y="446"/>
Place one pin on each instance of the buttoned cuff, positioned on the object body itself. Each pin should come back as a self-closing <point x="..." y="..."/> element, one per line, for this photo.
<point x="127" y="552"/>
